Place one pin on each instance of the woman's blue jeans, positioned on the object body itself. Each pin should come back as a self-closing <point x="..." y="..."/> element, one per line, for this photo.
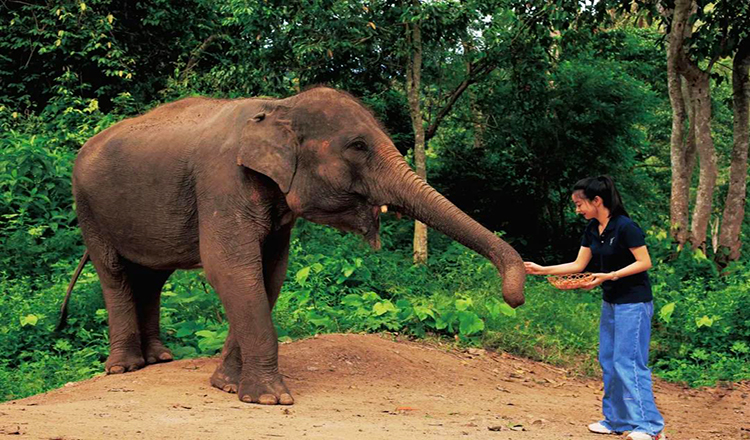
<point x="624" y="336"/>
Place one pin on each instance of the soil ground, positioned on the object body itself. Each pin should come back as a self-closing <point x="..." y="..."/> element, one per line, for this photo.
<point x="362" y="387"/>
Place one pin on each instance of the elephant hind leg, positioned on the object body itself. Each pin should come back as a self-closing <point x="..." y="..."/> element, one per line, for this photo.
<point x="124" y="333"/>
<point x="146" y="285"/>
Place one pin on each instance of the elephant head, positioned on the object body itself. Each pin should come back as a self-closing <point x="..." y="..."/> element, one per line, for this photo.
<point x="337" y="166"/>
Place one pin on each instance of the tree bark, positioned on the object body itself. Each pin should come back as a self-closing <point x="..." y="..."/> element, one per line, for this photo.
<point x="690" y="145"/>
<point x="700" y="83"/>
<point x="413" y="89"/>
<point x="734" y="206"/>
<point x="678" y="204"/>
<point x="682" y="145"/>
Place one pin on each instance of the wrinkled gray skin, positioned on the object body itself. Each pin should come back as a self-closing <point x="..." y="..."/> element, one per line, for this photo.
<point x="218" y="184"/>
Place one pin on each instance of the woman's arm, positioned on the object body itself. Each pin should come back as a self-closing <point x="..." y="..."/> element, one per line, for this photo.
<point x="584" y="256"/>
<point x="642" y="263"/>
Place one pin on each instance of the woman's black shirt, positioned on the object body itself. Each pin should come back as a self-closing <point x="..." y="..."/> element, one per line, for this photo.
<point x="611" y="251"/>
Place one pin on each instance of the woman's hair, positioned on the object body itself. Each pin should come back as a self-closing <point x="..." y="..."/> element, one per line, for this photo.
<point x="604" y="187"/>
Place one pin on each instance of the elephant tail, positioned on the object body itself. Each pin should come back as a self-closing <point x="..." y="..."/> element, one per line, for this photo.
<point x="64" y="309"/>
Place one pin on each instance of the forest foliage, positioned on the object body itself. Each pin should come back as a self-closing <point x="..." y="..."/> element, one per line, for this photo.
<point x="566" y="94"/>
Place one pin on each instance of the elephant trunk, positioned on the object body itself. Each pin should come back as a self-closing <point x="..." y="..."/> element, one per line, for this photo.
<point x="414" y="197"/>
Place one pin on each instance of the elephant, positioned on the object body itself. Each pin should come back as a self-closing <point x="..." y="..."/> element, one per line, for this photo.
<point x="218" y="184"/>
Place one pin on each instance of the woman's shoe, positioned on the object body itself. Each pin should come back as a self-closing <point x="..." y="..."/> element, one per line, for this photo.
<point x="599" y="428"/>
<point x="638" y="435"/>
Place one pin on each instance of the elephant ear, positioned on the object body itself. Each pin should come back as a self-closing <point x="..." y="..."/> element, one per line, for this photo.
<point x="268" y="145"/>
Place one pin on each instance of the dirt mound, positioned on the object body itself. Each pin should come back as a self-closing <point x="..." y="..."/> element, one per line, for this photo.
<point x="365" y="387"/>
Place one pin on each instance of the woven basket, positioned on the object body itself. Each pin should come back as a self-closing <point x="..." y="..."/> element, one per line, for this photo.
<point x="572" y="281"/>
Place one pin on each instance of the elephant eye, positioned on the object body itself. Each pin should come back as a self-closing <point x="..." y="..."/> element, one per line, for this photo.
<point x="358" y="145"/>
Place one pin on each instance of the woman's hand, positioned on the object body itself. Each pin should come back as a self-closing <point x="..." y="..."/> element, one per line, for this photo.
<point x="598" y="279"/>
<point x="533" y="268"/>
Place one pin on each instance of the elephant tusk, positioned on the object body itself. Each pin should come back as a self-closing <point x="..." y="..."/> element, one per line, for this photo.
<point x="384" y="209"/>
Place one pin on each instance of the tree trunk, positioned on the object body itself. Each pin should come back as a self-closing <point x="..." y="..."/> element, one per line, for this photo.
<point x="413" y="89"/>
<point x="680" y="144"/>
<point x="700" y="88"/>
<point x="690" y="145"/>
<point x="700" y="99"/>
<point x="734" y="207"/>
<point x="678" y="204"/>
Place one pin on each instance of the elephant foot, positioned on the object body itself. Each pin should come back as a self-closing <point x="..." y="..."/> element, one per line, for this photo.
<point x="226" y="378"/>
<point x="120" y="362"/>
<point x="155" y="352"/>
<point x="274" y="392"/>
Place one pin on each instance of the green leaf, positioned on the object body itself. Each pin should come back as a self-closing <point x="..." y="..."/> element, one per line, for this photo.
<point x="445" y="320"/>
<point x="29" y="320"/>
<point x="463" y="304"/>
<point x="705" y="321"/>
<point x="352" y="300"/>
<point x="423" y="312"/>
<point x="63" y="345"/>
<point x="497" y="308"/>
<point x="184" y="352"/>
<point x="403" y="303"/>
<point x="101" y="314"/>
<point x="740" y="347"/>
<point x="320" y="320"/>
<point x="187" y="328"/>
<point x="205" y="333"/>
<point x="383" y="307"/>
<point x="302" y="275"/>
<point x="469" y="323"/>
<point x="666" y="312"/>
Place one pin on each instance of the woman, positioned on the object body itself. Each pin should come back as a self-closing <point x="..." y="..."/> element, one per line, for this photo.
<point x="614" y="244"/>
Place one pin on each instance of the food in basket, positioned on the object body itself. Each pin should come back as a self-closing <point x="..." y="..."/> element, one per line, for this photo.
<point x="571" y="281"/>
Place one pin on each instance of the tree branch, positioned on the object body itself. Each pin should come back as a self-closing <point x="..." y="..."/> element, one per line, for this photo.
<point x="197" y="53"/>
<point x="475" y="72"/>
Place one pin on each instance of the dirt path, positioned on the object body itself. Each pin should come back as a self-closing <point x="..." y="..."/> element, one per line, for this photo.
<point x="361" y="387"/>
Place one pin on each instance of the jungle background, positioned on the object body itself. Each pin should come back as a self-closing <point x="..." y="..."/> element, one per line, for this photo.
<point x="504" y="104"/>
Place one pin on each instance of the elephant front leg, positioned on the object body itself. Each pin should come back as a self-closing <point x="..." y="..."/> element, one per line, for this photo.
<point x="227" y="374"/>
<point x="241" y="288"/>
<point x="275" y="260"/>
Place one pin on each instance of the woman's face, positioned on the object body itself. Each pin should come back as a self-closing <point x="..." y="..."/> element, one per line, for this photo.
<point x="587" y="208"/>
